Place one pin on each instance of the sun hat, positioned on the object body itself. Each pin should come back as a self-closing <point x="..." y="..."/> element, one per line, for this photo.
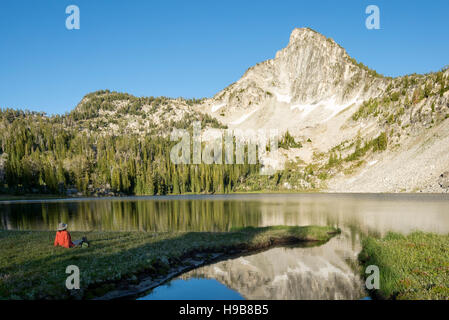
<point x="62" y="226"/>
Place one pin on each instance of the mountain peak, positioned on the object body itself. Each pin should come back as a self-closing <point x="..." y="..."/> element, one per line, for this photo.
<point x="311" y="69"/>
<point x="301" y="33"/>
<point x="308" y="82"/>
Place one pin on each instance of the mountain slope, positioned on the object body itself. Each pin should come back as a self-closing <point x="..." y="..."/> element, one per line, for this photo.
<point x="344" y="128"/>
<point x="306" y="84"/>
<point x="337" y="108"/>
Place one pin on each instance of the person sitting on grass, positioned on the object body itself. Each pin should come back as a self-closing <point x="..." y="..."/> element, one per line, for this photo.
<point x="64" y="239"/>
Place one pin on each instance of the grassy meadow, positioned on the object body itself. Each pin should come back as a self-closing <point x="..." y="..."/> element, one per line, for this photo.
<point x="411" y="267"/>
<point x="32" y="268"/>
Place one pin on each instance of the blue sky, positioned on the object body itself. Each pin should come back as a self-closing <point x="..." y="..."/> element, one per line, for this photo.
<point x="194" y="48"/>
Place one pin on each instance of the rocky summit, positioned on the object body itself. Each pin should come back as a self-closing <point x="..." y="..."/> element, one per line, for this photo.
<point x="338" y="109"/>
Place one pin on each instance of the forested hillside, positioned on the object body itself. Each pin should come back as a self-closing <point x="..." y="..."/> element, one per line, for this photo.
<point x="57" y="154"/>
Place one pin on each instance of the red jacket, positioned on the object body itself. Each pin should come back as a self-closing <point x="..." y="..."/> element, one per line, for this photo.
<point x="63" y="239"/>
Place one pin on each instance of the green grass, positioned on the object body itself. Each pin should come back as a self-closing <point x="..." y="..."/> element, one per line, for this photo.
<point x="411" y="267"/>
<point x="31" y="268"/>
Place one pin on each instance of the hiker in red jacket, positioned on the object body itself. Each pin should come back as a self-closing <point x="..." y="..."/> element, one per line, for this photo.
<point x="63" y="238"/>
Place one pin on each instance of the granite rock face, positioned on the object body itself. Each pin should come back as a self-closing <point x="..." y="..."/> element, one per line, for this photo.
<point x="310" y="79"/>
<point x="331" y="103"/>
<point x="310" y="69"/>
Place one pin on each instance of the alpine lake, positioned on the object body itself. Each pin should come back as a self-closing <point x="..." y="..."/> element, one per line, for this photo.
<point x="300" y="272"/>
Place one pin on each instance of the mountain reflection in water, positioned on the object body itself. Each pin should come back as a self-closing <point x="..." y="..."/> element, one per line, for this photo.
<point x="288" y="273"/>
<point x="321" y="272"/>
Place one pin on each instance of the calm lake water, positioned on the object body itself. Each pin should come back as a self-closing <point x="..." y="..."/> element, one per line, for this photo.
<point x="321" y="272"/>
<point x="193" y="289"/>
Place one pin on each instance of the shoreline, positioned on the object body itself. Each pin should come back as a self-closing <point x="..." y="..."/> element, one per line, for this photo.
<point x="218" y="196"/>
<point x="136" y="288"/>
<point x="31" y="268"/>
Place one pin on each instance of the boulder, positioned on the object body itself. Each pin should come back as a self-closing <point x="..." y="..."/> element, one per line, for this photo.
<point x="443" y="180"/>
